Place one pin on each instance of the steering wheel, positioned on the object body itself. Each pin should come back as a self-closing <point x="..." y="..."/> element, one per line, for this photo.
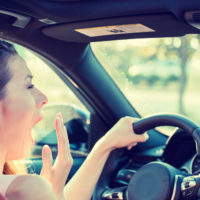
<point x="155" y="180"/>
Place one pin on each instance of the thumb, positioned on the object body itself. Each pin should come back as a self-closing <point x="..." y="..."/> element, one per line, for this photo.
<point x="47" y="161"/>
<point x="141" y="138"/>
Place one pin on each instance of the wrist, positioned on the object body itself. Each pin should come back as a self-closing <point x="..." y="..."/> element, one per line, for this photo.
<point x="104" y="145"/>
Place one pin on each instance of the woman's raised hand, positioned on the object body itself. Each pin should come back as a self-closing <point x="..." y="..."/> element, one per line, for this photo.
<point x="122" y="134"/>
<point x="58" y="172"/>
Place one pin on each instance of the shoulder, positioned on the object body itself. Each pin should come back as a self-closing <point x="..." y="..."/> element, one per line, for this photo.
<point x="1" y="197"/>
<point x="32" y="187"/>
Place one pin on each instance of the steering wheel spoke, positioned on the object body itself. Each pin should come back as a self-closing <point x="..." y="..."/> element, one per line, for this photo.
<point x="115" y="194"/>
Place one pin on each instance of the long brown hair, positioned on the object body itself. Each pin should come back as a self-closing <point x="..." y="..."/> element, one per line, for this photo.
<point x="7" y="50"/>
<point x="14" y="167"/>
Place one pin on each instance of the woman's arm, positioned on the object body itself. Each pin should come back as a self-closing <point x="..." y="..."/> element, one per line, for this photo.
<point x="82" y="184"/>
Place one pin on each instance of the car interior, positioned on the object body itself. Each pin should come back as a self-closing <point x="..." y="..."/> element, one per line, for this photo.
<point x="63" y="34"/>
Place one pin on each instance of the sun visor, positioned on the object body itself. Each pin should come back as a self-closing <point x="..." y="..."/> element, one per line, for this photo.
<point x="165" y="25"/>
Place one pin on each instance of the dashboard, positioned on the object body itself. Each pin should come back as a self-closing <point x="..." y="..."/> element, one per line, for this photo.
<point x="192" y="166"/>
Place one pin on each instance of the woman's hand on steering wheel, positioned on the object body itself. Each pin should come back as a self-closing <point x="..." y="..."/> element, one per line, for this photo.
<point x="122" y="134"/>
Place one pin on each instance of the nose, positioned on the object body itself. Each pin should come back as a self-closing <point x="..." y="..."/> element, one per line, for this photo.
<point x="41" y="99"/>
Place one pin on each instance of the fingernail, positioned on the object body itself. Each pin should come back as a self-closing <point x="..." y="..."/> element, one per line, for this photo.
<point x="129" y="147"/>
<point x="46" y="150"/>
<point x="45" y="153"/>
<point x="58" y="114"/>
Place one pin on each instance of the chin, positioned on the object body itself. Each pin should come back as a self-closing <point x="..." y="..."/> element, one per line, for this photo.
<point x="38" y="120"/>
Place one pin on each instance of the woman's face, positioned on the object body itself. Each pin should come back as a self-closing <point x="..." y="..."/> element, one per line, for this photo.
<point x="20" y="110"/>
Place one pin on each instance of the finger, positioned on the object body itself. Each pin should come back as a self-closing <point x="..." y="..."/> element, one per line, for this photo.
<point x="64" y="161"/>
<point x="129" y="147"/>
<point x="64" y="155"/>
<point x="47" y="161"/>
<point x="62" y="136"/>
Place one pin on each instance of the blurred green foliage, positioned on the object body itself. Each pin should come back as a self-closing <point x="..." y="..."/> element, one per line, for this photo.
<point x="156" y="75"/>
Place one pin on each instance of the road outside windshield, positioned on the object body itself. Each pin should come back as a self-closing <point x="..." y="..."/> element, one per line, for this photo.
<point x="156" y="75"/>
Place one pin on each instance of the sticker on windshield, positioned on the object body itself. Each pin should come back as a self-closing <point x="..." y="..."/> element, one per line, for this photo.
<point x="114" y="30"/>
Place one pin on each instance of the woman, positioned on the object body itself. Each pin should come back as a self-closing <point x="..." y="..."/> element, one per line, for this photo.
<point x="20" y="110"/>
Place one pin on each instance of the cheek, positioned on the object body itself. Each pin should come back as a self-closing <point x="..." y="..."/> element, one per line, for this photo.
<point x="18" y="119"/>
<point x="18" y="108"/>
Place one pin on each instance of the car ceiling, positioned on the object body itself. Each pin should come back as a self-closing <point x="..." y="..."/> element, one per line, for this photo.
<point x="59" y="19"/>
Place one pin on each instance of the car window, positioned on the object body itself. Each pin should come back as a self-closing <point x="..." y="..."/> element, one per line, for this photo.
<point x="60" y="99"/>
<point x="156" y="75"/>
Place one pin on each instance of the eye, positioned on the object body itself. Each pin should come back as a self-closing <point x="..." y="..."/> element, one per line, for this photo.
<point x="31" y="86"/>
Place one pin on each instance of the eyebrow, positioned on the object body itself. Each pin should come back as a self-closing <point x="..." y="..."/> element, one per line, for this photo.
<point x="29" y="76"/>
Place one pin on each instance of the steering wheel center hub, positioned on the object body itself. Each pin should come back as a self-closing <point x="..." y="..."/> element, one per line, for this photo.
<point x="153" y="181"/>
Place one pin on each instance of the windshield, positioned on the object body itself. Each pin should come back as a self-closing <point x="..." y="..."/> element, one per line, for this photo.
<point x="156" y="75"/>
